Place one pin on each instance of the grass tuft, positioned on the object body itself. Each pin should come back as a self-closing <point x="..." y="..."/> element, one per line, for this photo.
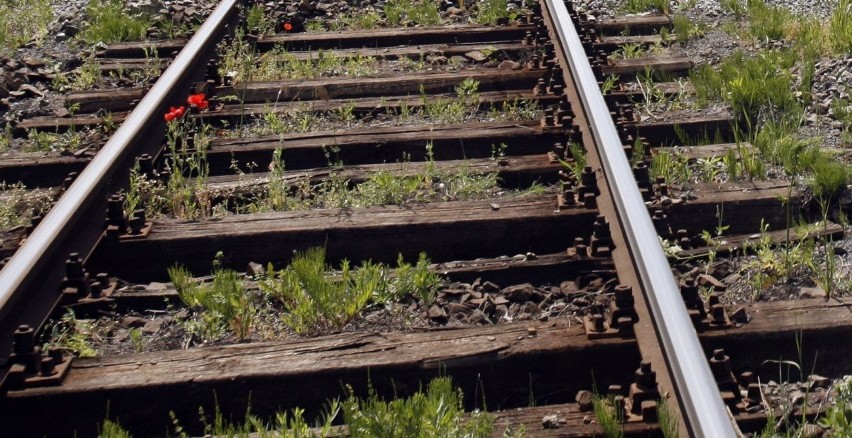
<point x="840" y="27"/>
<point x="315" y="298"/>
<point x="412" y="13"/>
<point x="223" y="303"/>
<point x="108" y="23"/>
<point x="608" y="416"/>
<point x="640" y="6"/>
<point x="437" y="412"/>
<point x="22" y="21"/>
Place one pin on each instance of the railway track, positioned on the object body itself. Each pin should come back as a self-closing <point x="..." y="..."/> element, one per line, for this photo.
<point x="520" y="103"/>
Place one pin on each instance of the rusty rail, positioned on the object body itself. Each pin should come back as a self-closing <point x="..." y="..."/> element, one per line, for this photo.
<point x="30" y="281"/>
<point x="699" y="399"/>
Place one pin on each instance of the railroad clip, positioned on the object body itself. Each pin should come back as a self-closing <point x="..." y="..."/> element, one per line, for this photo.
<point x="81" y="291"/>
<point x="618" y="322"/>
<point x="118" y="226"/>
<point x="713" y="316"/>
<point x="639" y="403"/>
<point x="30" y="367"/>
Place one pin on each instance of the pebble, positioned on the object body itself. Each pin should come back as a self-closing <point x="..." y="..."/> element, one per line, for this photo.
<point x="550" y="422"/>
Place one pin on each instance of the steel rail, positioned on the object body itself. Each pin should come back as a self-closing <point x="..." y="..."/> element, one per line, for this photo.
<point x="30" y="281"/>
<point x="701" y="404"/>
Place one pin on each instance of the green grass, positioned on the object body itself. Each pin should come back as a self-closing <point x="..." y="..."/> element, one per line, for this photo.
<point x="22" y="21"/>
<point x="356" y="21"/>
<point x="767" y="22"/>
<point x="673" y="167"/>
<point x="279" y="64"/>
<point x="492" y="12"/>
<point x="222" y="304"/>
<point x="437" y="412"/>
<point x="639" y="6"/>
<point x="840" y="28"/>
<point x="629" y="51"/>
<point x="753" y="85"/>
<point x="112" y="429"/>
<point x="70" y="334"/>
<point x="838" y="418"/>
<point x="314" y="298"/>
<point x="257" y="20"/>
<point x="108" y="23"/>
<point x="412" y="13"/>
<point x="184" y="194"/>
<point x="18" y="204"/>
<point x="609" y="417"/>
<point x="684" y="29"/>
<point x="668" y="419"/>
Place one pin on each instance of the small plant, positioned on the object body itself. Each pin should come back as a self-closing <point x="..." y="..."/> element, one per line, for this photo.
<point x="628" y="51"/>
<point x="673" y="167"/>
<point x="314" y="26"/>
<point x="767" y="22"/>
<point x="356" y="21"/>
<point x="840" y="27"/>
<point x="668" y="420"/>
<point x="222" y="303"/>
<point x="314" y="298"/>
<point x="108" y="23"/>
<point x="609" y="416"/>
<point x="112" y="429"/>
<point x="609" y="84"/>
<point x="493" y="12"/>
<point x="136" y="339"/>
<point x="639" y="6"/>
<point x="838" y="418"/>
<point x="827" y="277"/>
<point x="735" y="7"/>
<point x="71" y="334"/>
<point x="437" y="412"/>
<point x="18" y="204"/>
<point x="412" y="12"/>
<point x="279" y="64"/>
<point x="577" y="163"/>
<point x="684" y="29"/>
<point x="257" y="20"/>
<point x="22" y="21"/>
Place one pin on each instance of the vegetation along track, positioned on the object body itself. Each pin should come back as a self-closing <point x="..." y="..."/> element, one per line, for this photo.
<point x="350" y="159"/>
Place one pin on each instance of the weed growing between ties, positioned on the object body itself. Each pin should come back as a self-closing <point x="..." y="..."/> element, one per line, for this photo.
<point x="609" y="416"/>
<point x="109" y="23"/>
<point x="436" y="411"/>
<point x="70" y="334"/>
<point x="761" y="90"/>
<point x="306" y="296"/>
<point x="22" y="21"/>
<point x="640" y="6"/>
<point x="186" y="193"/>
<point x="240" y="62"/>
<point x="18" y="205"/>
<point x="181" y="190"/>
<point x="314" y="299"/>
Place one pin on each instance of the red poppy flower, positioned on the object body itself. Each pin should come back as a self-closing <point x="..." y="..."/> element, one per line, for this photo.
<point x="175" y="113"/>
<point x="287" y="27"/>
<point x="195" y="99"/>
<point x="198" y="101"/>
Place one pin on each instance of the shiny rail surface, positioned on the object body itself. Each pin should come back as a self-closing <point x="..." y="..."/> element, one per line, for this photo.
<point x="701" y="404"/>
<point x="29" y="283"/>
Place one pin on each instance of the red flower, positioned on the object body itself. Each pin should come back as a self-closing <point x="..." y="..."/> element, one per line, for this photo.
<point x="287" y="27"/>
<point x="175" y="113"/>
<point x="198" y="101"/>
